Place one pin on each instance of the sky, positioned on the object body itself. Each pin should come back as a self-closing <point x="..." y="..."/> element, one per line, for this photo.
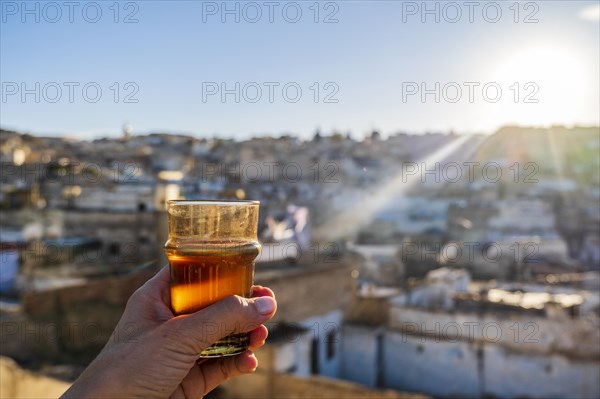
<point x="241" y="69"/>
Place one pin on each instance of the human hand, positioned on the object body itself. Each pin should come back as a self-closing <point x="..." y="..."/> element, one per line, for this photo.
<point x="154" y="354"/>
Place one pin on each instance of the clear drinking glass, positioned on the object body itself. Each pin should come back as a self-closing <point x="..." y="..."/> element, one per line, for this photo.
<point x="212" y="246"/>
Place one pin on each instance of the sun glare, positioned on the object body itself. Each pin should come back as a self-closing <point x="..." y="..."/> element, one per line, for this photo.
<point x="545" y="85"/>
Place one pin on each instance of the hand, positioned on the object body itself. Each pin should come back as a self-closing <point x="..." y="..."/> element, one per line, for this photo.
<point x="154" y="354"/>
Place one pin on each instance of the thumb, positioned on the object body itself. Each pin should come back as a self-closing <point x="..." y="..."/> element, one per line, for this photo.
<point x="234" y="314"/>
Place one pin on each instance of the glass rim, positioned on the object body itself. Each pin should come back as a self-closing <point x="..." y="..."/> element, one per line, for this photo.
<point x="223" y="202"/>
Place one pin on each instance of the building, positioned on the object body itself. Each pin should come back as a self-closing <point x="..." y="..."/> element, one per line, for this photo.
<point x="448" y="338"/>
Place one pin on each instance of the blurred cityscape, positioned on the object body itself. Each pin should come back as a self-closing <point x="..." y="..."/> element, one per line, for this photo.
<point x="433" y="265"/>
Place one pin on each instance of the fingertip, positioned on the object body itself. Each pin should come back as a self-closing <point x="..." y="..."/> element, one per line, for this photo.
<point x="259" y="334"/>
<point x="259" y="290"/>
<point x="247" y="362"/>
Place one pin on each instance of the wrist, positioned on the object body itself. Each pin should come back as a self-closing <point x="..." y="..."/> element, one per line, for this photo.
<point x="94" y="383"/>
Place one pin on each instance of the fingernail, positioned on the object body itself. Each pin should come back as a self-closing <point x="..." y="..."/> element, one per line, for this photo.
<point x="265" y="305"/>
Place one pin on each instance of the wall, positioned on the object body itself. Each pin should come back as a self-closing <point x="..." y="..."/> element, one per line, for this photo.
<point x="524" y="332"/>
<point x="17" y="383"/>
<point x="319" y="328"/>
<point x="520" y="356"/>
<point x="446" y="369"/>
<point x="69" y="324"/>
<point x="287" y="386"/>
<point x="359" y="354"/>
<point x="308" y="289"/>
<point x="509" y="375"/>
<point x="293" y="353"/>
<point x="440" y="369"/>
<point x="133" y="235"/>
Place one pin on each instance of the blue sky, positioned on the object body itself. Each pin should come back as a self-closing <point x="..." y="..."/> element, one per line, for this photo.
<point x="368" y="61"/>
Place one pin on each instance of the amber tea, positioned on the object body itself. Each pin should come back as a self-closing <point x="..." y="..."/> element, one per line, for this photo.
<point x="202" y="275"/>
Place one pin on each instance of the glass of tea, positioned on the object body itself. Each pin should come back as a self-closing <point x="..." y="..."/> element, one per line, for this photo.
<point x="212" y="246"/>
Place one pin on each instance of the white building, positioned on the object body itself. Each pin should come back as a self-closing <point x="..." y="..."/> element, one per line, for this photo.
<point x="453" y="343"/>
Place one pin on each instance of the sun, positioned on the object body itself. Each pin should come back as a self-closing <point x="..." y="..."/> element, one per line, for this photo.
<point x="543" y="85"/>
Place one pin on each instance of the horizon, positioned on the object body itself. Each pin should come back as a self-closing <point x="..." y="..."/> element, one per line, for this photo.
<point x="324" y="134"/>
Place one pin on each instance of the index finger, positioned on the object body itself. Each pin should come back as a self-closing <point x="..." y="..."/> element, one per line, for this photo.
<point x="158" y="285"/>
<point x="259" y="290"/>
